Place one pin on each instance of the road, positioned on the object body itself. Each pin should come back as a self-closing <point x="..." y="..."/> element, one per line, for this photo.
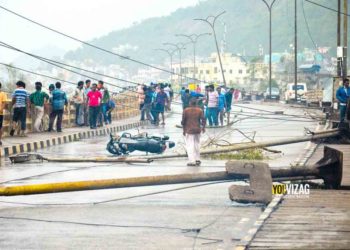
<point x="186" y="216"/>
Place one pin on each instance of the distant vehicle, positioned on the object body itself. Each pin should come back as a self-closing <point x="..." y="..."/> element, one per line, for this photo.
<point x="290" y="92"/>
<point x="275" y="94"/>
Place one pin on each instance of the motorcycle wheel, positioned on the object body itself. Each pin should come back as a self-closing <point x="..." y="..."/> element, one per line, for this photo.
<point x="111" y="148"/>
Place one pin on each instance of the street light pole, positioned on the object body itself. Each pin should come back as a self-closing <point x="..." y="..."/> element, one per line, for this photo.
<point x="269" y="7"/>
<point x="212" y="25"/>
<point x="295" y="51"/>
<point x="170" y="53"/>
<point x="194" y="39"/>
<point x="179" y="47"/>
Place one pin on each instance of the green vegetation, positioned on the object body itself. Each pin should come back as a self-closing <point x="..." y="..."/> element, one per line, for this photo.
<point x="249" y="154"/>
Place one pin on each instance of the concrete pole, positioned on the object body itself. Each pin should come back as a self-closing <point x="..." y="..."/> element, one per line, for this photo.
<point x="295" y="51"/>
<point x="251" y="145"/>
<point x="339" y="70"/>
<point x="329" y="168"/>
<point x="345" y="38"/>
<point x="269" y="7"/>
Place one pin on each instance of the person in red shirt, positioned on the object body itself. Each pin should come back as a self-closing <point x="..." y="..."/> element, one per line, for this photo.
<point x="94" y="98"/>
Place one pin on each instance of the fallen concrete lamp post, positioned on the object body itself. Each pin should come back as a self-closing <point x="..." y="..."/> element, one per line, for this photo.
<point x="325" y="134"/>
<point x="21" y="158"/>
<point x="329" y="168"/>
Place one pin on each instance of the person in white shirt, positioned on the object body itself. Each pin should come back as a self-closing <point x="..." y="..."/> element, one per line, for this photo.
<point x="79" y="101"/>
<point x="213" y="102"/>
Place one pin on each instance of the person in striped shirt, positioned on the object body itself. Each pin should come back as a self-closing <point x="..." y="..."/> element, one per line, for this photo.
<point x="20" y="102"/>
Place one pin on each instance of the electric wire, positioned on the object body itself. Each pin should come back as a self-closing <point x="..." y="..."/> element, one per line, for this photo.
<point x="55" y="63"/>
<point x="97" y="47"/>
<point x="64" y="64"/>
<point x="328" y="8"/>
<point x="58" y="79"/>
<point x="307" y="25"/>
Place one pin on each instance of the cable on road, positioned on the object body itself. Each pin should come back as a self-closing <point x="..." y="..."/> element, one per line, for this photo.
<point x="259" y="116"/>
<point x="276" y="114"/>
<point x="271" y="112"/>
<point x="183" y="230"/>
<point x="197" y="233"/>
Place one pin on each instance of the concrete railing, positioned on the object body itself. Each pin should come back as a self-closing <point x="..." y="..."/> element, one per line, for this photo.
<point x="126" y="106"/>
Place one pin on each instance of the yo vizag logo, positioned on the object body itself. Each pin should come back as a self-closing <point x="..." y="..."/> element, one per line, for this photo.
<point x="291" y="189"/>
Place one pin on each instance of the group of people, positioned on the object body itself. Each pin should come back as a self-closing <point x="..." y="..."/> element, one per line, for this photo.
<point x="215" y="102"/>
<point x="154" y="100"/>
<point x="202" y="108"/>
<point x="93" y="106"/>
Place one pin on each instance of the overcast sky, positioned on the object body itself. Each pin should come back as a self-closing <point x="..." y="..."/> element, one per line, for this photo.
<point x="84" y="19"/>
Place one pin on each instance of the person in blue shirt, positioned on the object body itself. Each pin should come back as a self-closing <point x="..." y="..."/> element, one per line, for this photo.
<point x="343" y="95"/>
<point x="110" y="108"/>
<point x="221" y="106"/>
<point x="228" y="97"/>
<point x="58" y="101"/>
<point x="195" y="94"/>
<point x="148" y="102"/>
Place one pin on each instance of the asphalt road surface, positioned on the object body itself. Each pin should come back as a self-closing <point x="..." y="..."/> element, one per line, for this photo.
<point x="183" y="216"/>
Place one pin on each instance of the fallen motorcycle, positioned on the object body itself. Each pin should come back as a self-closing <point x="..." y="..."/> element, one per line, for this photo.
<point x="127" y="143"/>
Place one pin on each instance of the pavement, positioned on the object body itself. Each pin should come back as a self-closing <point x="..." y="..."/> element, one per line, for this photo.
<point x="34" y="141"/>
<point x="318" y="220"/>
<point x="182" y="216"/>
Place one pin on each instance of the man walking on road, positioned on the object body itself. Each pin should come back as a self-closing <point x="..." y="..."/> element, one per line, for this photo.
<point x="193" y="123"/>
<point x="343" y="96"/>
<point x="58" y="100"/>
<point x="38" y="99"/>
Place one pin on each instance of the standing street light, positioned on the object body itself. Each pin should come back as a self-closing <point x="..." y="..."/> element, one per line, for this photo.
<point x="170" y="53"/>
<point x="212" y="24"/>
<point x="295" y="51"/>
<point x="179" y="47"/>
<point x="194" y="39"/>
<point x="269" y="7"/>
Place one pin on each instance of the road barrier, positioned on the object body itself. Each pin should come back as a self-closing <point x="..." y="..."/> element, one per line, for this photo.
<point x="126" y="106"/>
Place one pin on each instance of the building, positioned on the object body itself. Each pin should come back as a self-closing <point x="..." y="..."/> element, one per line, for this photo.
<point x="208" y="70"/>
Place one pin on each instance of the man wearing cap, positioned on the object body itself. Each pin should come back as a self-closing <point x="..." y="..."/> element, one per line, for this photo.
<point x="343" y="95"/>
